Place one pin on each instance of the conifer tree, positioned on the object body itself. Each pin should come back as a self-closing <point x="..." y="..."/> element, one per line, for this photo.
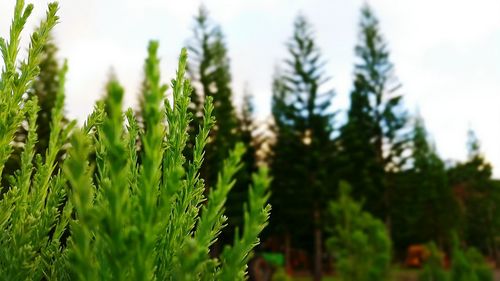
<point x="246" y="130"/>
<point x="303" y="129"/>
<point x="373" y="137"/>
<point x="210" y="74"/>
<point x="472" y="182"/>
<point x="427" y="210"/>
<point x="247" y="127"/>
<point x="287" y="170"/>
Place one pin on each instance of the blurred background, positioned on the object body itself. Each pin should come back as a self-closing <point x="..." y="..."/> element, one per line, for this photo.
<point x="368" y="113"/>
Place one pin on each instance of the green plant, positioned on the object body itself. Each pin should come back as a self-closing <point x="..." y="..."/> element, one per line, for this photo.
<point x="433" y="268"/>
<point x="373" y="139"/>
<point x="44" y="87"/>
<point x="106" y="215"/>
<point x="302" y="154"/>
<point x="32" y="220"/>
<point x="209" y="71"/>
<point x="360" y="243"/>
<point x="280" y="275"/>
<point x="481" y="269"/>
<point x="469" y="264"/>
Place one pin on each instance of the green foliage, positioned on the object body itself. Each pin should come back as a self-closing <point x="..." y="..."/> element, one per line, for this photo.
<point x="252" y="142"/>
<point x="468" y="265"/>
<point x="280" y="275"/>
<point x="478" y="196"/>
<point x="359" y="242"/>
<point x="481" y="269"/>
<point x="44" y="87"/>
<point x="163" y="234"/>
<point x="373" y="139"/>
<point x="426" y="209"/>
<point x="32" y="218"/>
<point x="210" y="72"/>
<point x="301" y="157"/>
<point x="17" y="77"/>
<point x="108" y="215"/>
<point x="302" y="154"/>
<point x="433" y="268"/>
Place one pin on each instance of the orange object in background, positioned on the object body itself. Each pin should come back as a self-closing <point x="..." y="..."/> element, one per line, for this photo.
<point x="416" y="255"/>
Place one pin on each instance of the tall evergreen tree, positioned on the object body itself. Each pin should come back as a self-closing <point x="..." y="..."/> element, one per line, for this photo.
<point x="373" y="139"/>
<point x="246" y="131"/>
<point x="426" y="208"/>
<point x="209" y="71"/>
<point x="303" y="128"/>
<point x="479" y="195"/>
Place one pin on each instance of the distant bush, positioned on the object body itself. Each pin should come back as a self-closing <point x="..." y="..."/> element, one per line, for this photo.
<point x="433" y="268"/>
<point x="107" y="215"/>
<point x="469" y="265"/>
<point x="280" y="275"/>
<point x="481" y="269"/>
<point x="360" y="243"/>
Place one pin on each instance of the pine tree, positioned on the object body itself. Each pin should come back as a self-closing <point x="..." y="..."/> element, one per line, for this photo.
<point x="303" y="128"/>
<point x="287" y="169"/>
<point x="431" y="211"/>
<point x="210" y="73"/>
<point x="358" y="152"/>
<point x="373" y="137"/>
<point x="473" y="185"/>
<point x="246" y="131"/>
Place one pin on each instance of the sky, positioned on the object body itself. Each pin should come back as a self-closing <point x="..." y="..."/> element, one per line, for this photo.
<point x="446" y="53"/>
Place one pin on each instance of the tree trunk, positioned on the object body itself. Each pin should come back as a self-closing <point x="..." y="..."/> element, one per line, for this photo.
<point x="388" y="223"/>
<point x="318" y="249"/>
<point x="388" y="185"/>
<point x="288" y="249"/>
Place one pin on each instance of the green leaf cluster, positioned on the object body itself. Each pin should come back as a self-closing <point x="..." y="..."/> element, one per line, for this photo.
<point x="116" y="210"/>
<point x="467" y="264"/>
<point x="433" y="268"/>
<point x="359" y="242"/>
<point x="374" y="138"/>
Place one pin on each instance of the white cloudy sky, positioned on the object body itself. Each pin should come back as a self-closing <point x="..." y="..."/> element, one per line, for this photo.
<point x="446" y="52"/>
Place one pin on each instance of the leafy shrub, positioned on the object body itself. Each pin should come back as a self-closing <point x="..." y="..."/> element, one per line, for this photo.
<point x="106" y="215"/>
<point x="481" y="269"/>
<point x="468" y="265"/>
<point x="280" y="275"/>
<point x="360" y="242"/>
<point x="433" y="268"/>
